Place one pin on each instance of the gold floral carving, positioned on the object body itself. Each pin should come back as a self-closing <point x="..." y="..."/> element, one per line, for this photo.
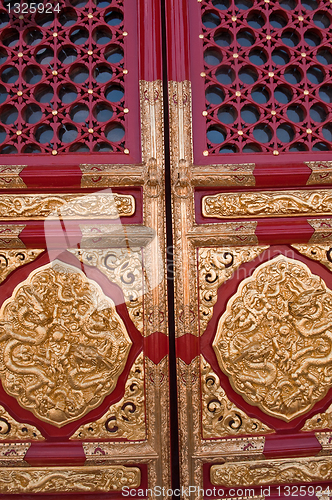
<point x="103" y="478"/>
<point x="102" y="176"/>
<point x="268" y="203"/>
<point x="10" y="177"/>
<point x="63" y="343"/>
<point x="274" y="340"/>
<point x="122" y="266"/>
<point x="215" y="266"/>
<point x="101" y="205"/>
<point x="319" y="421"/>
<point x="322" y="253"/>
<point x="13" y="453"/>
<point x="11" y="259"/>
<point x="9" y="235"/>
<point x="279" y="471"/>
<point x="125" y="419"/>
<point x="11" y="429"/>
<point x="321" y="172"/>
<point x="220" y="417"/>
<point x="224" y="175"/>
<point x="322" y="230"/>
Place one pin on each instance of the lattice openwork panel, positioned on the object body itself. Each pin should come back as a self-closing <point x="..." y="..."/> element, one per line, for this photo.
<point x="268" y="68"/>
<point x="62" y="78"/>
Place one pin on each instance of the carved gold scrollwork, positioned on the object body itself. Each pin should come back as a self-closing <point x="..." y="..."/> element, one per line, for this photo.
<point x="12" y="454"/>
<point x="279" y="471"/>
<point x="10" y="177"/>
<point x="268" y="203"/>
<point x="321" y="172"/>
<point x="103" y="175"/>
<point x="182" y="185"/>
<point x="125" y="419"/>
<point x="11" y="259"/>
<point x="220" y="417"/>
<point x="322" y="253"/>
<point x="274" y="340"/>
<point x="122" y="266"/>
<point x="319" y="421"/>
<point x="63" y="344"/>
<point x="11" y="429"/>
<point x="103" y="205"/>
<point x="215" y="266"/>
<point x="9" y="235"/>
<point x="224" y="175"/>
<point x="103" y="478"/>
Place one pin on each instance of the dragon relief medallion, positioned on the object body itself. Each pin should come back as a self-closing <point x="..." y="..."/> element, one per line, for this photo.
<point x="274" y="340"/>
<point x="63" y="344"/>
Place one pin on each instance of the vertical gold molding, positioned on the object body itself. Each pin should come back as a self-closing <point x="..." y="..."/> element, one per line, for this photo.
<point x="155" y="296"/>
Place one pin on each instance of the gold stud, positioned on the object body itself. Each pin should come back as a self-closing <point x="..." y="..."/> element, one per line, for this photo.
<point x="199" y="1"/>
<point x="20" y="92"/>
<point x="18" y="132"/>
<point x="268" y="37"/>
<point x="20" y="54"/>
<point x="54" y="152"/>
<point x="126" y="151"/>
<point x="125" y="72"/>
<point x="267" y="1"/>
<point x="240" y="132"/>
<point x="21" y="17"/>
<point x="55" y="35"/>
<point x="271" y="74"/>
<point x="126" y="110"/>
<point x="90" y="130"/>
<point x="54" y="72"/>
<point x="309" y="131"/>
<point x="237" y="93"/>
<point x="306" y="92"/>
<point x="234" y="18"/>
<point x="275" y="152"/>
<point x="90" y="52"/>
<point x="235" y="56"/>
<point x="300" y="18"/>
<point x="273" y="112"/>
<point x="125" y="33"/>
<point x="90" y="91"/>
<point x="204" y="113"/>
<point x="303" y="54"/>
<point x="90" y="15"/>
<point x="54" y="112"/>
<point x="203" y="74"/>
<point x="205" y="153"/>
<point x="200" y="36"/>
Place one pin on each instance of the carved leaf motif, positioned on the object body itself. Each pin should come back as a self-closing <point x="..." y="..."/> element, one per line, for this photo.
<point x="123" y="266"/>
<point x="220" y="417"/>
<point x="12" y="429"/>
<point x="274" y="340"/>
<point x="63" y="344"/>
<point x="126" y="418"/>
<point x="217" y="265"/>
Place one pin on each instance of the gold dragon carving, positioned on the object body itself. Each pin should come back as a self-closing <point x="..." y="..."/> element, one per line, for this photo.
<point x="101" y="205"/>
<point x="68" y="479"/>
<point x="278" y="471"/>
<point x="125" y="419"/>
<point x="11" y="259"/>
<point x="11" y="429"/>
<point x="274" y="340"/>
<point x="268" y="203"/>
<point x="63" y="344"/>
<point x="122" y="266"/>
<point x="215" y="266"/>
<point x="220" y="417"/>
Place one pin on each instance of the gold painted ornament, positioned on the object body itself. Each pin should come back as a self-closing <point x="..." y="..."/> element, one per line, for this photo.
<point x="274" y="340"/>
<point x="63" y="344"/>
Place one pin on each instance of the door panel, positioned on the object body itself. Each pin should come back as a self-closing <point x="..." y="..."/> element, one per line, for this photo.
<point x="252" y="274"/>
<point x="84" y="344"/>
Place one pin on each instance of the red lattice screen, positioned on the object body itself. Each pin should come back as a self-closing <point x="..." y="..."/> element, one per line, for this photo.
<point x="268" y="69"/>
<point x="62" y="78"/>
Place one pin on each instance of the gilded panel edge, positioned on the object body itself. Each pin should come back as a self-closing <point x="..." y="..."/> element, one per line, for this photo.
<point x="10" y="177"/>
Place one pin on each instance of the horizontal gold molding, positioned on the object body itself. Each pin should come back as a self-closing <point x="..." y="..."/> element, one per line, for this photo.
<point x="69" y="206"/>
<point x="267" y="204"/>
<point x="100" y="478"/>
<point x="10" y="177"/>
<point x="279" y="471"/>
<point x="104" y="175"/>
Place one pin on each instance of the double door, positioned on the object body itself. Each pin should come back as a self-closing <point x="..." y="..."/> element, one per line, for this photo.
<point x="165" y="257"/>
